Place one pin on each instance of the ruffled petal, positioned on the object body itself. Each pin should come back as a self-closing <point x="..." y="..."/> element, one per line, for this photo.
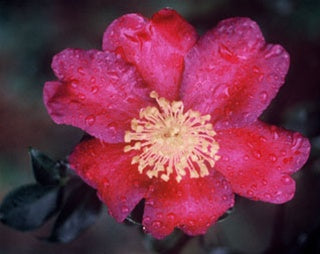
<point x="156" y="47"/>
<point x="232" y="74"/>
<point x="193" y="205"/>
<point x="258" y="160"/>
<point x="97" y="92"/>
<point x="108" y="169"/>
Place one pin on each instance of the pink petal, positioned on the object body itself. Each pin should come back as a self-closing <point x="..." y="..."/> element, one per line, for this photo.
<point x="156" y="47"/>
<point x="232" y="74"/>
<point x="97" y="92"/>
<point x="192" y="205"/>
<point x="108" y="169"/>
<point x="258" y="160"/>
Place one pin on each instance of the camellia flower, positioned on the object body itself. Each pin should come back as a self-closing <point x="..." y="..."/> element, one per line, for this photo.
<point x="174" y="119"/>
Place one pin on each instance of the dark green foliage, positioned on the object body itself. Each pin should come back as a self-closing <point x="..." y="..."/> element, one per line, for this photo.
<point x="46" y="171"/>
<point x="78" y="213"/>
<point x="29" y="206"/>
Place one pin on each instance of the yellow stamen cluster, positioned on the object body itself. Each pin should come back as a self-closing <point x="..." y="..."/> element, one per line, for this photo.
<point x="172" y="141"/>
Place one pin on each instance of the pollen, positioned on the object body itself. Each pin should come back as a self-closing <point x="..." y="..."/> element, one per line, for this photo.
<point x="171" y="142"/>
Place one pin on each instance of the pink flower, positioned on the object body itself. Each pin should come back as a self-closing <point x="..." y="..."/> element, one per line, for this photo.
<point x="174" y="119"/>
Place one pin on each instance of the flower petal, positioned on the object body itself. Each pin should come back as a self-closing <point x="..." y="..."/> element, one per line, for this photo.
<point x="258" y="159"/>
<point x="156" y="47"/>
<point x="193" y="205"/>
<point x="97" y="92"/>
<point x="232" y="74"/>
<point x="108" y="169"/>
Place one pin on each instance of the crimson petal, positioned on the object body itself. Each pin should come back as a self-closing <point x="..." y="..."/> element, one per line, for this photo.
<point x="108" y="169"/>
<point x="156" y="47"/>
<point x="232" y="74"/>
<point x="193" y="205"/>
<point x="258" y="160"/>
<point x="97" y="92"/>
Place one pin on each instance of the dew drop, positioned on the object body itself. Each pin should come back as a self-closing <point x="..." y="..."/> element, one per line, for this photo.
<point x="250" y="192"/>
<point x="273" y="157"/>
<point x="171" y="216"/>
<point x="286" y="180"/>
<point x="191" y="222"/>
<point x="146" y="219"/>
<point x="224" y="197"/>
<point x="263" y="96"/>
<point x="90" y="120"/>
<point x="150" y="202"/>
<point x="81" y="96"/>
<point x="124" y="209"/>
<point x="246" y="157"/>
<point x="93" y="80"/>
<point x="74" y="84"/>
<point x="257" y="154"/>
<point x="267" y="195"/>
<point x="156" y="224"/>
<point x="94" y="89"/>
<point x="264" y="182"/>
<point x="81" y="71"/>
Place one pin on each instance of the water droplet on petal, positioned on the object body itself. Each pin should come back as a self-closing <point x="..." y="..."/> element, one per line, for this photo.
<point x="94" y="89"/>
<point x="171" y="216"/>
<point x="264" y="182"/>
<point x="156" y="224"/>
<point x="74" y="84"/>
<point x="90" y="120"/>
<point x="286" y="180"/>
<point x="146" y="219"/>
<point x="250" y="193"/>
<point x="257" y="154"/>
<point x="81" y="96"/>
<point x="124" y="209"/>
<point x="273" y="157"/>
<point x="81" y="71"/>
<point x="267" y="195"/>
<point x="263" y="96"/>
<point x="93" y="80"/>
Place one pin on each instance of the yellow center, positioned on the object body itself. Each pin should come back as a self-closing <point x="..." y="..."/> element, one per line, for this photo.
<point x="171" y="141"/>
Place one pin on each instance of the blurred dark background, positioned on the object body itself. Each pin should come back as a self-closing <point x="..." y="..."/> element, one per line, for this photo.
<point x="31" y="32"/>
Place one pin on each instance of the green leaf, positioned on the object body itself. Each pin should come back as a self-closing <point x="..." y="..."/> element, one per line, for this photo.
<point x="46" y="171"/>
<point x="29" y="206"/>
<point x="80" y="211"/>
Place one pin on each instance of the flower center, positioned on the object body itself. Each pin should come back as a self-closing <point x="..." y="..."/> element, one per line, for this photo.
<point x="172" y="141"/>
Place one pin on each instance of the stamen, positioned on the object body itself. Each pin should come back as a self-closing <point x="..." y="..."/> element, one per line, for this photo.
<point x="171" y="141"/>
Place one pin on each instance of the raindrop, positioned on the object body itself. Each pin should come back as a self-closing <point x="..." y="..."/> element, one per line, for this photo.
<point x="224" y="197"/>
<point x="273" y="157"/>
<point x="257" y="154"/>
<point x="246" y="157"/>
<point x="264" y="182"/>
<point x="81" y="96"/>
<point x="225" y="52"/>
<point x="274" y="51"/>
<point x="286" y="180"/>
<point x="74" y="84"/>
<point x="94" y="89"/>
<point x="156" y="224"/>
<point x="191" y="222"/>
<point x="150" y="202"/>
<point x="263" y="96"/>
<point x="124" y="209"/>
<point x="267" y="195"/>
<point x="93" y="80"/>
<point x="90" y="120"/>
<point x="171" y="216"/>
<point x="81" y="71"/>
<point x="146" y="219"/>
<point x="250" y="192"/>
